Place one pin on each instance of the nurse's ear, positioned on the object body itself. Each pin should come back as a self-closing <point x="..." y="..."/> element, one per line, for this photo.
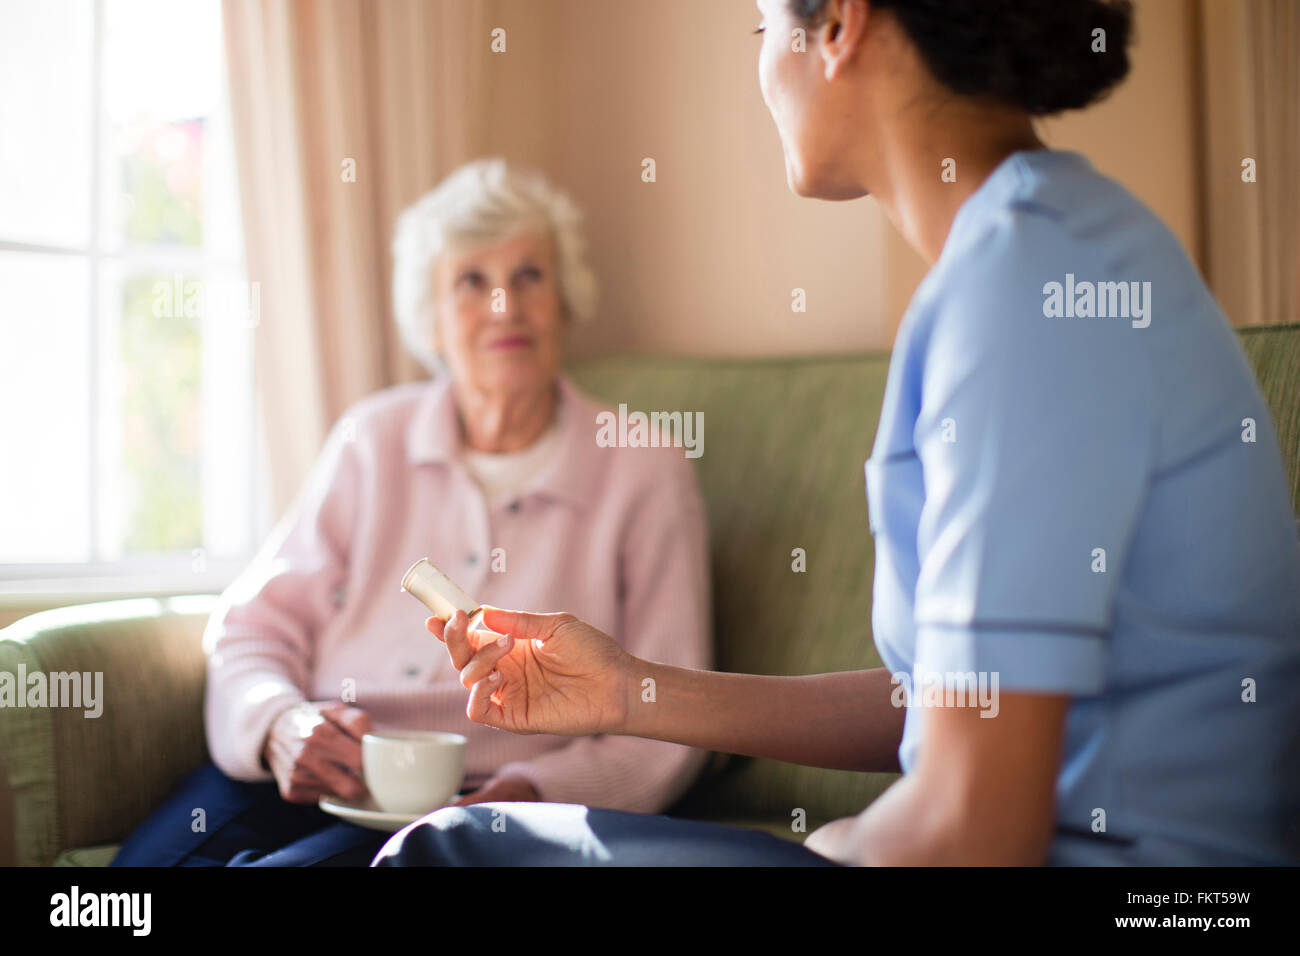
<point x="843" y="33"/>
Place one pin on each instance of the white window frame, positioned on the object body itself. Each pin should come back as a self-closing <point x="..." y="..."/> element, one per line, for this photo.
<point x="30" y="584"/>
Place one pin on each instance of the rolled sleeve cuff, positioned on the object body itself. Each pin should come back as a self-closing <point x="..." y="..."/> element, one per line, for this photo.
<point x="237" y="748"/>
<point x="1026" y="660"/>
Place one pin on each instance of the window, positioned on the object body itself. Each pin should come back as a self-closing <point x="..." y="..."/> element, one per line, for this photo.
<point x="126" y="322"/>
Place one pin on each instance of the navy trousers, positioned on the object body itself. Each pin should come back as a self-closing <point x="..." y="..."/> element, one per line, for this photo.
<point x="243" y="824"/>
<point x="566" y="834"/>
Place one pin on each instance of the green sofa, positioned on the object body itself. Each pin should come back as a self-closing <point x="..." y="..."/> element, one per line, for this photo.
<point x="784" y="444"/>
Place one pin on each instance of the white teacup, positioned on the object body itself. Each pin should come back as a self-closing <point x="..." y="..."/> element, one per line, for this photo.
<point x="412" y="771"/>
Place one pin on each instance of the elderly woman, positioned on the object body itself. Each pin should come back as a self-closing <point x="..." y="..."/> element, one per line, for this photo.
<point x="493" y="472"/>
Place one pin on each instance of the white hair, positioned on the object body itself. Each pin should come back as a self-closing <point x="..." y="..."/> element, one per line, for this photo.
<point x="483" y="201"/>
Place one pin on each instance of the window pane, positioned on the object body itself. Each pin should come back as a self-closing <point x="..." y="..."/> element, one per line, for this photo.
<point x="232" y="308"/>
<point x="163" y="85"/>
<point x="150" y="424"/>
<point x="44" y="485"/>
<point x="45" y="121"/>
<point x="141" y="448"/>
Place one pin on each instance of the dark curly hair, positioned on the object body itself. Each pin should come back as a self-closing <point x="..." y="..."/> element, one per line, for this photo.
<point x="1032" y="54"/>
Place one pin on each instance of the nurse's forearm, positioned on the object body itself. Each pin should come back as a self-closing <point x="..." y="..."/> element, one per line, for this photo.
<point x="843" y="721"/>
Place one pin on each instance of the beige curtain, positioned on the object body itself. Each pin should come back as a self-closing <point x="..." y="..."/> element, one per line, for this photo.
<point x="1251" y="87"/>
<point x="388" y="92"/>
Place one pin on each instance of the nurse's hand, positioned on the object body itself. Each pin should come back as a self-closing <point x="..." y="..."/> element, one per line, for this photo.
<point x="550" y="674"/>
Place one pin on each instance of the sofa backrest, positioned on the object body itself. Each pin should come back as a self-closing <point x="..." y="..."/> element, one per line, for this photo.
<point x="784" y="445"/>
<point x="781" y="472"/>
<point x="1274" y="351"/>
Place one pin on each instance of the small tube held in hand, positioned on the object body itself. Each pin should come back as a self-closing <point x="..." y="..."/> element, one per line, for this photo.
<point x="439" y="593"/>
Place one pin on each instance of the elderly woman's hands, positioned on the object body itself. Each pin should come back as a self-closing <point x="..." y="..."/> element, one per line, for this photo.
<point x="548" y="674"/>
<point x="314" y="750"/>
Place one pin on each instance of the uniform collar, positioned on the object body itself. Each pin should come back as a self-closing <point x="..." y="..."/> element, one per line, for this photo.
<point x="1010" y="176"/>
<point x="433" y="437"/>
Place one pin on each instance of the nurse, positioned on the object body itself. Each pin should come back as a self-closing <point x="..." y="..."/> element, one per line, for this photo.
<point x="1063" y="506"/>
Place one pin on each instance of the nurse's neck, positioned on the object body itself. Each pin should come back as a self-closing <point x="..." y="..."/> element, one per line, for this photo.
<point x="928" y="171"/>
<point x="927" y="150"/>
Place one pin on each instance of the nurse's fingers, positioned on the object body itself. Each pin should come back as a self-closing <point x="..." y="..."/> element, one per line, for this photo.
<point x="435" y="626"/>
<point x="485" y="661"/>
<point x="455" y="634"/>
<point x="482" y="709"/>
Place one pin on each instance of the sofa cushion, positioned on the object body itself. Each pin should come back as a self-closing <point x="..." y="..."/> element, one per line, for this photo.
<point x="88" y="856"/>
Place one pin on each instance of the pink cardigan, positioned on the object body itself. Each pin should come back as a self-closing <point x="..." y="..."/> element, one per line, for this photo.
<point x="616" y="536"/>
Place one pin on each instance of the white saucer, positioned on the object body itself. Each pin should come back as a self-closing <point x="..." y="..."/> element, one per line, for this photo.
<point x="367" y="814"/>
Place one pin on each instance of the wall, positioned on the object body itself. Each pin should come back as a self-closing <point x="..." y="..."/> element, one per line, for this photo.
<point x="704" y="260"/>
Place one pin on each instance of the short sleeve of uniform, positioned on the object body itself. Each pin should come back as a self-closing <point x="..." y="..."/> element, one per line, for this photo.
<point x="1033" y="435"/>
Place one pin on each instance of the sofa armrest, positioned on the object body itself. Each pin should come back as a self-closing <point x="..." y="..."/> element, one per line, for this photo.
<point x="77" y="775"/>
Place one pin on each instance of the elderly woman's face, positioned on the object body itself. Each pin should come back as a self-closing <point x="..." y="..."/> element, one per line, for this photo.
<point x="500" y="322"/>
